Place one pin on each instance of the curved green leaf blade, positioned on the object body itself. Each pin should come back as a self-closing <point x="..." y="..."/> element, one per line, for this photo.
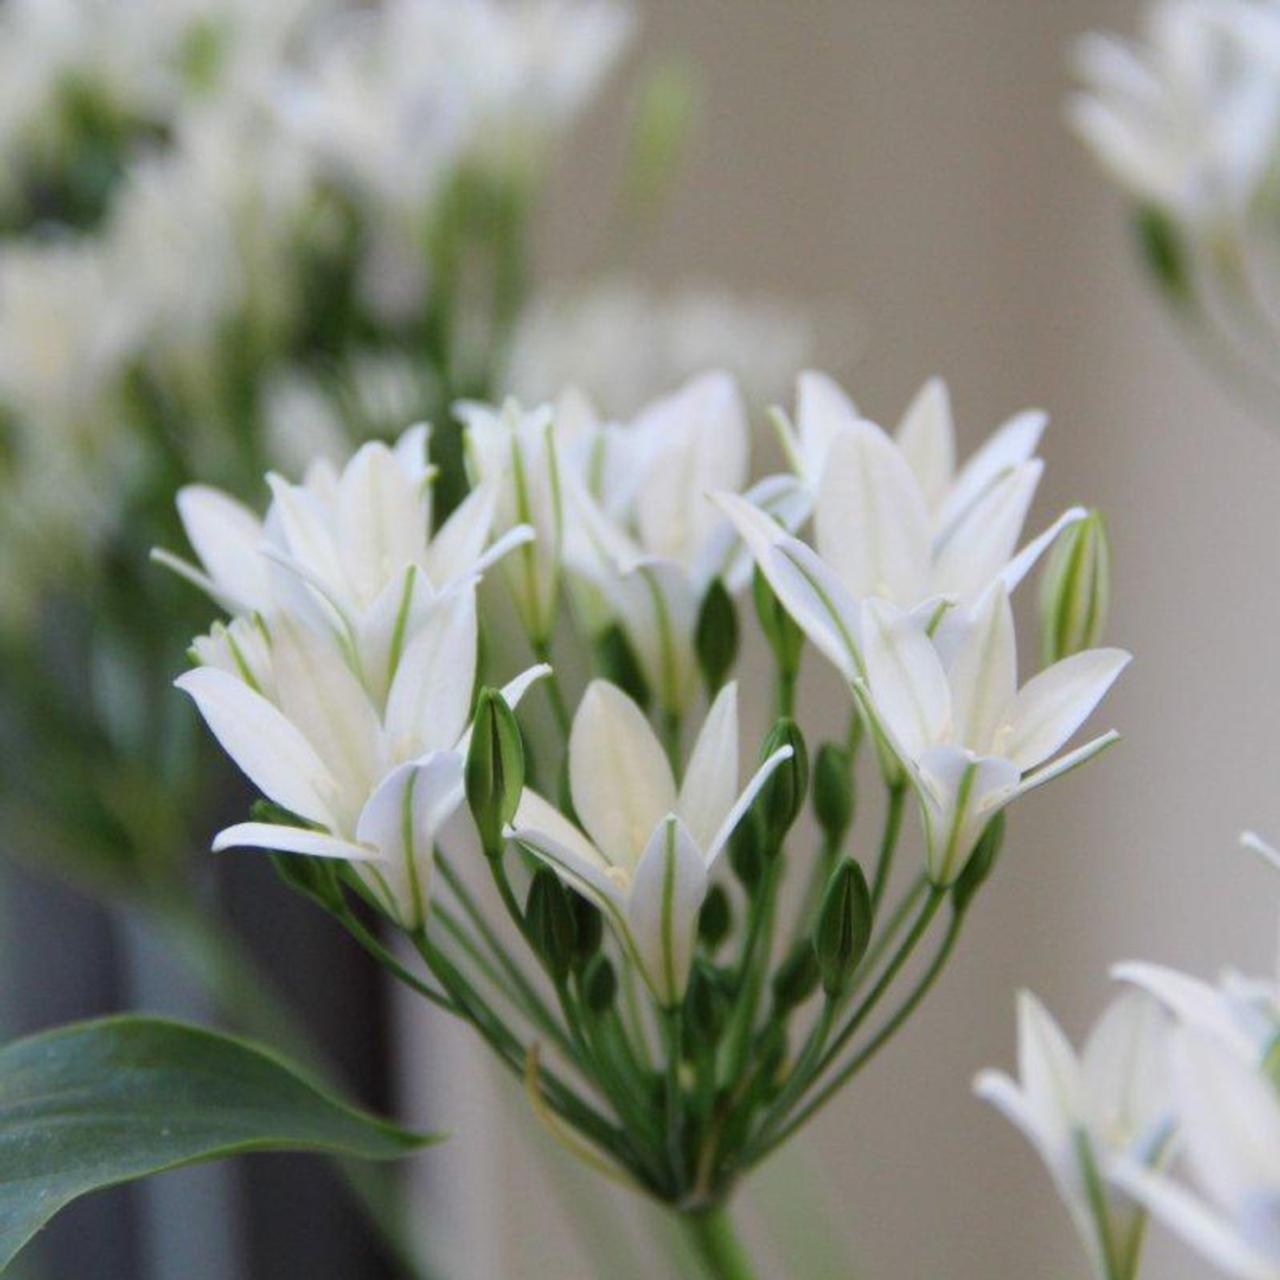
<point x="92" y="1104"/>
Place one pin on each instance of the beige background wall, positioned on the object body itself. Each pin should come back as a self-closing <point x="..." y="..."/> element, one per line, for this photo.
<point x="909" y="156"/>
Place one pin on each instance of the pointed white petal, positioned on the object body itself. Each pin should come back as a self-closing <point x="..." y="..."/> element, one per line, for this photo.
<point x="461" y="540"/>
<point x="870" y="521"/>
<point x="1009" y="446"/>
<point x="984" y="672"/>
<point x="225" y="534"/>
<point x="307" y="533"/>
<point x="740" y="806"/>
<point x="905" y="678"/>
<point x="381" y="519"/>
<point x="1064" y="764"/>
<point x="926" y="436"/>
<point x="1025" y="560"/>
<point x="411" y="452"/>
<point x="961" y="793"/>
<point x="822" y="408"/>
<point x="1192" y="1001"/>
<point x="1048" y="1066"/>
<point x="270" y="835"/>
<point x="1269" y="853"/>
<point x="662" y="910"/>
<point x="710" y="783"/>
<point x="431" y="690"/>
<point x="809" y="591"/>
<point x="618" y="773"/>
<point x="972" y="550"/>
<point x="270" y="750"/>
<point x="1051" y="706"/>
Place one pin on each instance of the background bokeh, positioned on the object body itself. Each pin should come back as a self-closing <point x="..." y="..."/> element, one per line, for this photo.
<point x="908" y="160"/>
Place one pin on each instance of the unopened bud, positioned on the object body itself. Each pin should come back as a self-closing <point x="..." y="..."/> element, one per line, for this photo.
<point x="599" y="986"/>
<point x="495" y="769"/>
<point x="784" y="636"/>
<point x="782" y="796"/>
<point x="548" y="918"/>
<point x="745" y="856"/>
<point x="619" y="665"/>
<point x="1075" y="593"/>
<point x="1164" y="252"/>
<point x="716" y="917"/>
<point x="706" y="1004"/>
<point x="981" y="863"/>
<point x="588" y="928"/>
<point x="834" y="791"/>
<point x="797" y="977"/>
<point x="844" y="926"/>
<point x="716" y="636"/>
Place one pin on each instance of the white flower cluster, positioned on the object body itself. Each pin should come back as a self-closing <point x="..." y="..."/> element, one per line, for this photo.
<point x="1189" y="120"/>
<point x="222" y="196"/>
<point x="1176" y="1072"/>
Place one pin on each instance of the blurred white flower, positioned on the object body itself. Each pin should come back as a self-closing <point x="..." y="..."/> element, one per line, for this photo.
<point x="1229" y="1123"/>
<point x="1081" y="1113"/>
<point x="1187" y="120"/>
<point x="649" y="846"/>
<point x="623" y="344"/>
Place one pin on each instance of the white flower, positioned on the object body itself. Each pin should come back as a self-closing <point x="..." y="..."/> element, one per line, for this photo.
<point x="642" y="530"/>
<point x="1081" y="1112"/>
<point x="349" y="553"/>
<point x="649" y="846"/>
<point x="1188" y="119"/>
<point x="512" y="452"/>
<point x="1229" y="1122"/>
<point x="374" y="781"/>
<point x="968" y="738"/>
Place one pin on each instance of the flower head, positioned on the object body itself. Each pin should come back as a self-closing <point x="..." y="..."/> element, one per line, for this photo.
<point x="648" y="846"/>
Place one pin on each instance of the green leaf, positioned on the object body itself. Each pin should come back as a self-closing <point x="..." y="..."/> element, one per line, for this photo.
<point x="93" y="1104"/>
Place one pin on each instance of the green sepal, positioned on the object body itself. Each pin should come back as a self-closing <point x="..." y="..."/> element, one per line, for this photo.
<point x="782" y="796"/>
<point x="834" y="791"/>
<point x="619" y="665"/>
<point x="548" y="918"/>
<point x="797" y="977"/>
<point x="715" y="919"/>
<point x="981" y="863"/>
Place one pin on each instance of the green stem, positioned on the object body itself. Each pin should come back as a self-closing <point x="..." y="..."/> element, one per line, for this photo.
<point x="888" y="841"/>
<point x="555" y="693"/>
<point x="712" y="1234"/>
<point x="675" y="1097"/>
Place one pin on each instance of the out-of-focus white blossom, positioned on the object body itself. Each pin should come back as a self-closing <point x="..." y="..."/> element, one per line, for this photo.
<point x="1187" y="119"/>
<point x="623" y="344"/>
<point x="1082" y="1112"/>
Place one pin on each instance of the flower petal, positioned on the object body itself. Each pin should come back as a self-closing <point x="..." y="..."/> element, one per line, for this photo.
<point x="905" y="678"/>
<point x="618" y="773"/>
<point x="984" y="672"/>
<point x="1051" y="706"/>
<point x="823" y="407"/>
<point x="270" y="751"/>
<point x="226" y="535"/>
<point x="662" y="910"/>
<point x="710" y="783"/>
<point x="1007" y="447"/>
<point x="870" y="521"/>
<point x="271" y="835"/>
<point x="926" y="436"/>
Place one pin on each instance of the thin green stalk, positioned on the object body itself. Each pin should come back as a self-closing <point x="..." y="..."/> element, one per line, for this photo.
<point x="555" y="693"/>
<point x="800" y="1075"/>
<point x="722" y="1252"/>
<point x="750" y="975"/>
<point x="675" y="1097"/>
<point x="784" y="694"/>
<point x="888" y="841"/>
<point x="859" y="1016"/>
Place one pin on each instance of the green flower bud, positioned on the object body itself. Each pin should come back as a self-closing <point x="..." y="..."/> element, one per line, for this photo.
<point x="834" y="791"/>
<point x="495" y="769"/>
<point x="619" y="664"/>
<point x="716" y="917"/>
<point x="1164" y="252"/>
<point x="315" y="878"/>
<point x="745" y="856"/>
<point x="716" y="636"/>
<point x="844" y="926"/>
<point x="797" y="977"/>
<point x="784" y="636"/>
<point x="981" y="863"/>
<point x="548" y="917"/>
<point x="707" y="1005"/>
<point x="588" y="928"/>
<point x="782" y="796"/>
<point x="599" y="986"/>
<point x="1075" y="592"/>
